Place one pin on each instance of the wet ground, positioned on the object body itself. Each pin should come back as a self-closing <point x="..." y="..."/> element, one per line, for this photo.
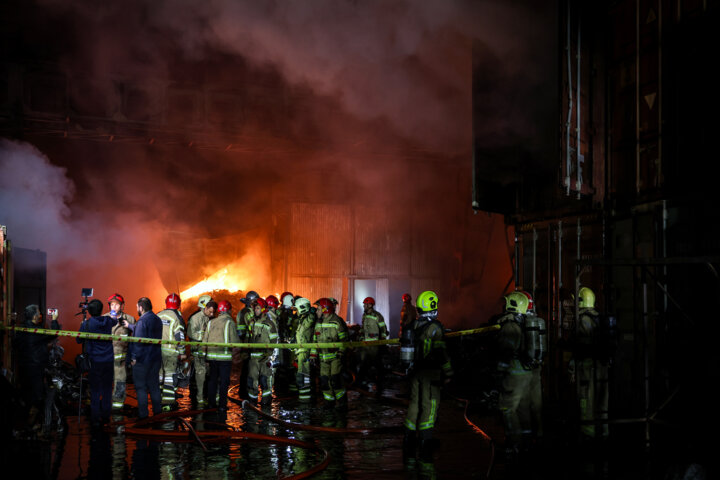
<point x="297" y="441"/>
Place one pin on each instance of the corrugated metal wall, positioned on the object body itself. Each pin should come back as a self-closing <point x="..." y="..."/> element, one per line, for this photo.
<point x="321" y="240"/>
<point x="382" y="244"/>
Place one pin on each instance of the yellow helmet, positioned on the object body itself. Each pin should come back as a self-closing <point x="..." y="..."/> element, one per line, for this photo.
<point x="586" y="298"/>
<point x="203" y="300"/>
<point x="516" y="302"/>
<point x="427" y="301"/>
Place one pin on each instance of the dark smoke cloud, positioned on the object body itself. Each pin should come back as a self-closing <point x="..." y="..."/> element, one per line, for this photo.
<point x="406" y="62"/>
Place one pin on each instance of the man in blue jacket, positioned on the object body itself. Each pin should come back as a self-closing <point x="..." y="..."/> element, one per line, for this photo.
<point x="100" y="352"/>
<point x="145" y="358"/>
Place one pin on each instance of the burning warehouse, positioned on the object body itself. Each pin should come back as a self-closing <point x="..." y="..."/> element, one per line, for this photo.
<point x="351" y="151"/>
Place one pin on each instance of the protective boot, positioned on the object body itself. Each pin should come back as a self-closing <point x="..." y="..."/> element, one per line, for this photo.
<point x="426" y="447"/>
<point x="409" y="445"/>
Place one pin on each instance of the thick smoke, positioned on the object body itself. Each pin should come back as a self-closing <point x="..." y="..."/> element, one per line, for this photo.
<point x="84" y="248"/>
<point x="402" y="62"/>
<point x="132" y="218"/>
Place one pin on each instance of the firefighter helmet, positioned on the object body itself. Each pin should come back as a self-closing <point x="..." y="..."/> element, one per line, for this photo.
<point x="287" y="299"/>
<point x="250" y="297"/>
<point x="116" y="297"/>
<point x="224" y="306"/>
<point x="586" y="298"/>
<point x="260" y="302"/>
<point x="303" y="305"/>
<point x="325" y="305"/>
<point x="406" y="298"/>
<point x="531" y="304"/>
<point x="516" y="302"/>
<point x="172" y="301"/>
<point x="272" y="301"/>
<point x="369" y="300"/>
<point x="427" y="301"/>
<point x="203" y="300"/>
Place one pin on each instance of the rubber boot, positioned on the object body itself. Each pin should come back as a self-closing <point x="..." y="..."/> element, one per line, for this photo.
<point x="426" y="447"/>
<point x="409" y="445"/>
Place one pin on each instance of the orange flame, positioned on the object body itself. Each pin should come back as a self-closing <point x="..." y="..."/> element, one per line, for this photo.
<point x="223" y="279"/>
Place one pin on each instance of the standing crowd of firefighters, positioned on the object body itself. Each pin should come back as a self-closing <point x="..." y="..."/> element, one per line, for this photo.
<point x="309" y="368"/>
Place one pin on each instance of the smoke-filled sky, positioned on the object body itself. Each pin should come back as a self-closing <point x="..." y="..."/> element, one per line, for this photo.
<point x="395" y="77"/>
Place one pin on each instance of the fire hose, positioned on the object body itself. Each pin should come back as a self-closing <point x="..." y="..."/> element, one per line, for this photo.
<point x="134" y="429"/>
<point x="315" y="428"/>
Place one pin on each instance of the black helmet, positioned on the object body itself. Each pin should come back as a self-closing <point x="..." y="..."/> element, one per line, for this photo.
<point x="250" y="297"/>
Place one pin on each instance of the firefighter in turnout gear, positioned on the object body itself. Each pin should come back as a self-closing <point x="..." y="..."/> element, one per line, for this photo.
<point x="330" y="328"/>
<point x="116" y="302"/>
<point x="261" y="371"/>
<point x="408" y="313"/>
<point x="287" y="324"/>
<point x="513" y="372"/>
<point x="220" y="330"/>
<point x="429" y="368"/>
<point x="304" y="333"/>
<point x="373" y="328"/>
<point x="197" y="329"/>
<point x="173" y="329"/>
<point x="535" y="338"/>
<point x="589" y="367"/>
<point x="246" y="316"/>
<point x="244" y="321"/>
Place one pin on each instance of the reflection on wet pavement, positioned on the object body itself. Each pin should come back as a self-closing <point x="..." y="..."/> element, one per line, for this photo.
<point x="119" y="454"/>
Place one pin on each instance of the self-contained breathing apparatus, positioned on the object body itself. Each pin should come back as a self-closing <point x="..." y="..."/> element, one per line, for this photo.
<point x="411" y="351"/>
<point x="534" y="341"/>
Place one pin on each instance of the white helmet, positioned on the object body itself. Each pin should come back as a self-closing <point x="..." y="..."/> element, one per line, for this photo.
<point x="203" y="300"/>
<point x="303" y="305"/>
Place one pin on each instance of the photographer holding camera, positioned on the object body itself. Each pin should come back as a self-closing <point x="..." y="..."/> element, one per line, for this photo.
<point x="100" y="352"/>
<point x="33" y="358"/>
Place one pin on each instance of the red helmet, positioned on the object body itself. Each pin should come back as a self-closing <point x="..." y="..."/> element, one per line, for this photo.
<point x="325" y="305"/>
<point x="116" y="297"/>
<point x="369" y="300"/>
<point x="224" y="306"/>
<point x="406" y="298"/>
<point x="172" y="301"/>
<point x="272" y="301"/>
<point x="531" y="305"/>
<point x="262" y="304"/>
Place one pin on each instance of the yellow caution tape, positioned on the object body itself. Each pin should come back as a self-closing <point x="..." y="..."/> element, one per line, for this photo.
<point x="125" y="338"/>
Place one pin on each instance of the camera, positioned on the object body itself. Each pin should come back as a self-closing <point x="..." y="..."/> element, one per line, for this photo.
<point x="85" y="293"/>
<point x="52" y="311"/>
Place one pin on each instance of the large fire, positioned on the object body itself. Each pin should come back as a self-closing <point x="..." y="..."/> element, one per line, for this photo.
<point x="223" y="279"/>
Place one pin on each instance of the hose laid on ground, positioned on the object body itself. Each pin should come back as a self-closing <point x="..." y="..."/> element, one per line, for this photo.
<point x="130" y="427"/>
<point x="480" y="431"/>
<point x="315" y="428"/>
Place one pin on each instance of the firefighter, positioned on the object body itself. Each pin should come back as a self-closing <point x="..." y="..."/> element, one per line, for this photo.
<point x="304" y="334"/>
<point x="244" y="321"/>
<point x="173" y="329"/>
<point x="286" y="323"/>
<point x="330" y="328"/>
<point x="220" y="330"/>
<point x="430" y="369"/>
<point x="512" y="373"/>
<point x="261" y="371"/>
<point x="197" y="329"/>
<point x="246" y="316"/>
<point x="373" y="328"/>
<point x="535" y="338"/>
<point x="116" y="303"/>
<point x="408" y="313"/>
<point x="589" y="367"/>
